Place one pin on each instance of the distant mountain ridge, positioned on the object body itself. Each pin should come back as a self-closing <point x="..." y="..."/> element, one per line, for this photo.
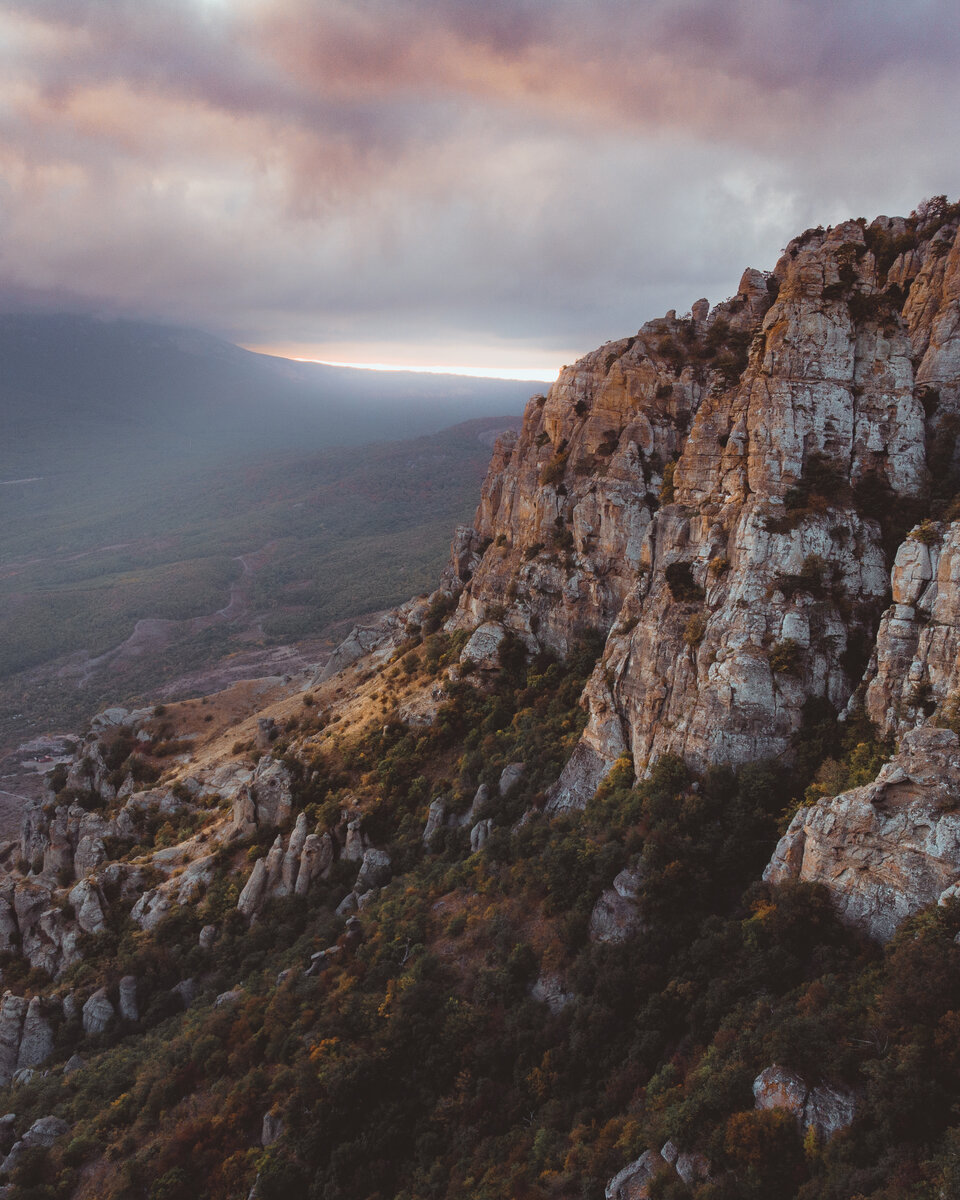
<point x="174" y="392"/>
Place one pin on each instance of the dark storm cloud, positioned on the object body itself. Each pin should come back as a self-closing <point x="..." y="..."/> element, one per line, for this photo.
<point x="448" y="170"/>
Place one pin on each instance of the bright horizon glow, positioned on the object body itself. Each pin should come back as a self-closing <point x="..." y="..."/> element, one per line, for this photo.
<point x="525" y="374"/>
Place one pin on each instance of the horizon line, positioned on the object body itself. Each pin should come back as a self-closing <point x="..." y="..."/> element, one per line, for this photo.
<point x="519" y="374"/>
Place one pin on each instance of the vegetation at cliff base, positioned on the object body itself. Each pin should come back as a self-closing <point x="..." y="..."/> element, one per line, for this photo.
<point x="469" y="1035"/>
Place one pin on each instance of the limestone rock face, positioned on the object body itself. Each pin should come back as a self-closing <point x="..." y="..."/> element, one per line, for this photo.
<point x="480" y="835"/>
<point x="88" y="906"/>
<point x="549" y="989"/>
<point x="272" y="1128"/>
<point x="567" y="503"/>
<point x="483" y="648"/>
<point x="435" y="818"/>
<point x="701" y="495"/>
<point x="510" y="776"/>
<point x="287" y="870"/>
<point x="886" y="850"/>
<point x="291" y="859"/>
<point x="915" y="671"/>
<point x="271" y="789"/>
<point x="739" y="566"/>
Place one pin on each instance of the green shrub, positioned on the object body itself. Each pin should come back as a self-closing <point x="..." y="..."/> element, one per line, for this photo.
<point x="696" y="628"/>
<point x="553" y="471"/>
<point x="666" y="487"/>
<point x="784" y="656"/>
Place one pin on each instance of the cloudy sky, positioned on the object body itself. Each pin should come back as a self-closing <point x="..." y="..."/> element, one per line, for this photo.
<point x="458" y="182"/>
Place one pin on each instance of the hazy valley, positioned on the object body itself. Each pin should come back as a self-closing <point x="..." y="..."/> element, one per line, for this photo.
<point x="185" y="502"/>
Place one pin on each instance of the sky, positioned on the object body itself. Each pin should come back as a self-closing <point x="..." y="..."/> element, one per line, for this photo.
<point x="501" y="184"/>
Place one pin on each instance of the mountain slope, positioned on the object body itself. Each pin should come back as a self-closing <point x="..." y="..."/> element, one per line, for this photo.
<point x="483" y="911"/>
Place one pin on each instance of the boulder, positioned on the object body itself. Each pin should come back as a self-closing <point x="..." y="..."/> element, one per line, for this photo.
<point x="127" y="1002"/>
<point x="266" y="733"/>
<point x="244" y="817"/>
<point x="354" y="842"/>
<point x="252" y="895"/>
<point x="272" y="792"/>
<point x="483" y="646"/>
<point x="480" y="835"/>
<point x="615" y="918"/>
<point x="43" y="1132"/>
<point x="185" y="992"/>
<point x="208" y="936"/>
<point x="151" y="908"/>
<point x="274" y="866"/>
<point x="374" y="871"/>
<point x="36" y="1043"/>
<point x="291" y="859"/>
<point x="315" y="861"/>
<point x="271" y="1129"/>
<point x="829" y="1110"/>
<point x="90" y="853"/>
<point x="98" y="1013"/>
<point x="633" y="1182"/>
<point x="30" y="901"/>
<point x="474" y="812"/>
<point x="12" y="1012"/>
<point x="88" y="906"/>
<point x="510" y="776"/>
<point x="549" y="990"/>
<point x="435" y="817"/>
<point x="826" y="1109"/>
<point x="777" y="1087"/>
<point x="9" y="930"/>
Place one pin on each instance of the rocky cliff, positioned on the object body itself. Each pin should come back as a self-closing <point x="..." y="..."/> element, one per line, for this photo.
<point x="749" y="508"/>
<point x="722" y="495"/>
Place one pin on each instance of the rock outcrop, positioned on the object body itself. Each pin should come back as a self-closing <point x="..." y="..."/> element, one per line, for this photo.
<point x="293" y="866"/>
<point x="825" y="1109"/>
<point x="915" y="672"/>
<point x="616" y="916"/>
<point x="43" y="1132"/>
<point x="886" y="850"/>
<point x="712" y="495"/>
<point x="98" y="1012"/>
<point x="633" y="1182"/>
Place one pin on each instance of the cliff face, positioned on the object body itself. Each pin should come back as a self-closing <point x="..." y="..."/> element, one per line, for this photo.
<point x="886" y="850"/>
<point x="721" y="497"/>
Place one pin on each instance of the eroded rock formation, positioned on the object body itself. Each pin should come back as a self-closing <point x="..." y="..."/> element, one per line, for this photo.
<point x="886" y="850"/>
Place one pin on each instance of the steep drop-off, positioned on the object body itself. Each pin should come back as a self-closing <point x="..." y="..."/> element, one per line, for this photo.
<point x="730" y="533"/>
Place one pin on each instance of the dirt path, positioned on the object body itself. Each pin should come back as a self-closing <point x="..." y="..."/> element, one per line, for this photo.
<point x="152" y="634"/>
